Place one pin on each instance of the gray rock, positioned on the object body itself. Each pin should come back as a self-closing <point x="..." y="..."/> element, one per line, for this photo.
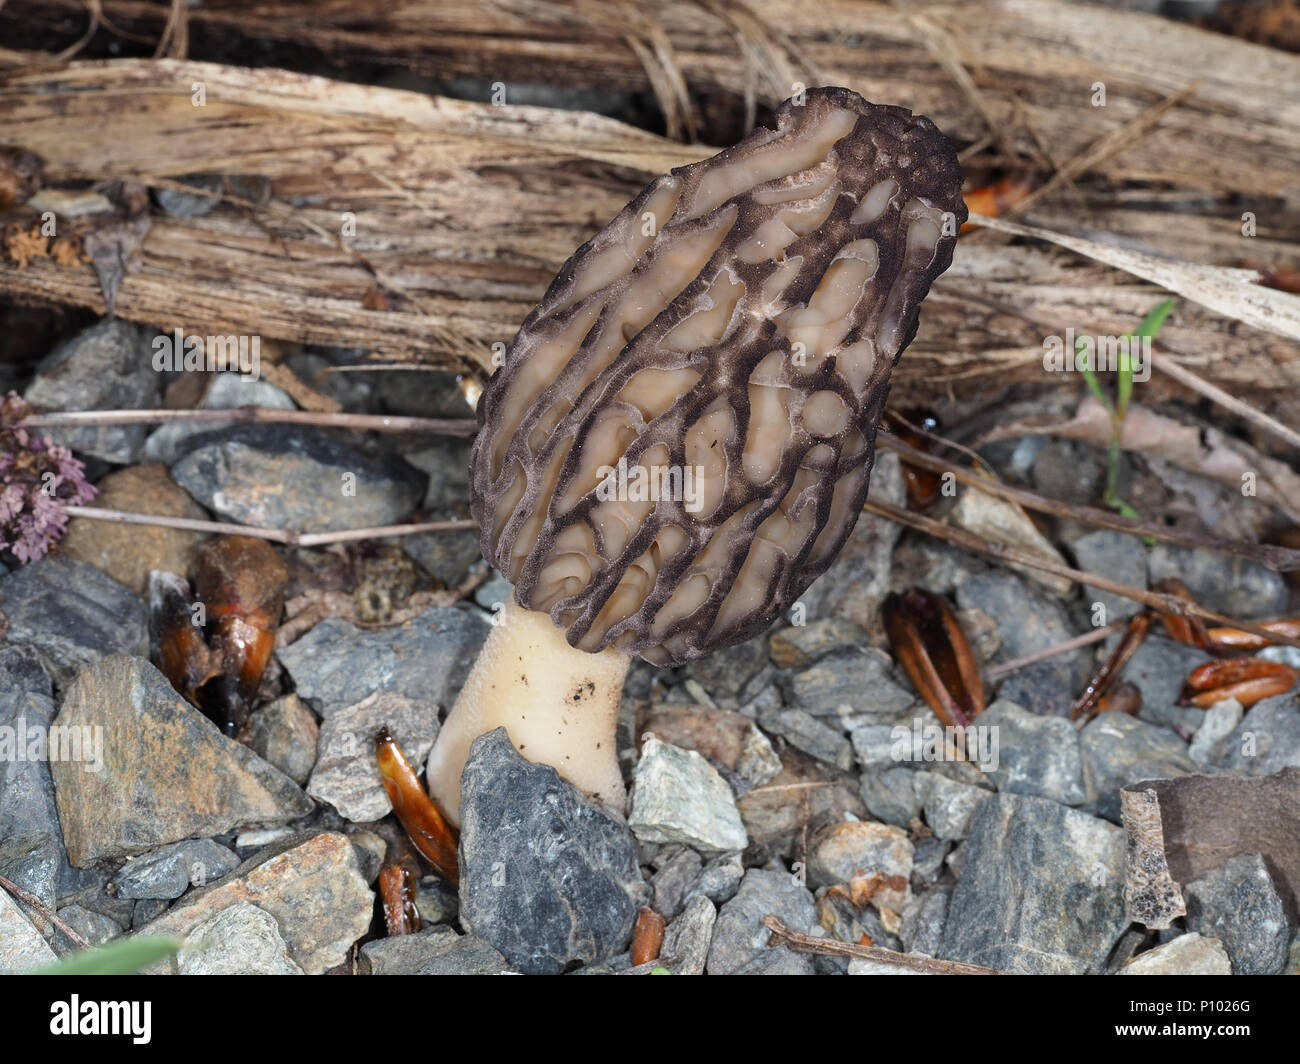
<point x="1158" y="669"/>
<point x="725" y="672"/>
<point x="196" y="204"/>
<point x="688" y="936"/>
<point x="1027" y="622"/>
<point x="1000" y="521"/>
<point x="1238" y="904"/>
<point x="337" y="664"/>
<point x="105" y="367"/>
<point x="801" y="645"/>
<point x="739" y="937"/>
<point x="948" y="804"/>
<point x="170" y="871"/>
<point x="890" y="794"/>
<point x="778" y="961"/>
<point x="1189" y="954"/>
<point x="674" y="875"/>
<point x="758" y="762"/>
<point x="165" y="772"/>
<point x="281" y="476"/>
<point x="71" y="614"/>
<point x="146" y="911"/>
<point x="1220" y="720"/>
<point x="239" y="940"/>
<point x="285" y="734"/>
<point x="1235" y="586"/>
<point x="22" y="947"/>
<point x="95" y="928"/>
<point x="346" y="775"/>
<point x="1117" y="556"/>
<point x="1036" y="755"/>
<point x="312" y="887"/>
<point x="1266" y="741"/>
<point x="677" y="796"/>
<point x="924" y="918"/>
<point x="548" y="877"/>
<point x="927" y="858"/>
<point x="850" y="683"/>
<point x="805" y="732"/>
<point x="1119" y="750"/>
<point x="226" y="392"/>
<point x="1041" y="889"/>
<point x="719" y="879"/>
<point x="432" y="951"/>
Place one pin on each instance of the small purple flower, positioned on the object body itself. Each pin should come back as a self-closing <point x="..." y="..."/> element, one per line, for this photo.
<point x="38" y="479"/>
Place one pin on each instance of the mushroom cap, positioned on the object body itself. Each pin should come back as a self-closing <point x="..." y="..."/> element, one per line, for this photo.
<point x="681" y="437"/>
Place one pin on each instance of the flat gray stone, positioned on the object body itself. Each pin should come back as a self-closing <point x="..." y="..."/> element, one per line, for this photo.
<point x="1238" y="904"/>
<point x="856" y="682"/>
<point x="239" y="940"/>
<point x="948" y="804"/>
<point x="679" y="797"/>
<point x="1189" y="954"/>
<point x="285" y="734"/>
<point x="170" y="871"/>
<point x="739" y="937"/>
<point x="1119" y="750"/>
<point x="432" y="951"/>
<point x="1036" y="755"/>
<point x="688" y="936"/>
<point x="22" y="947"/>
<point x="1266" y="741"/>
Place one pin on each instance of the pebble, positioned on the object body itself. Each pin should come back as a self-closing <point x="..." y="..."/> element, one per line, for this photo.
<point x="838" y="853"/>
<point x="1004" y="522"/>
<point x="337" y="664"/>
<point x="1158" y="669"/>
<point x="854" y="682"/>
<point x="227" y="391"/>
<point x="432" y="951"/>
<point x="1036" y="754"/>
<point x="288" y="476"/>
<point x="675" y="874"/>
<point x="166" y="773"/>
<point x="1235" y="586"/>
<point x="740" y="940"/>
<point x="1041" y="889"/>
<point x="128" y="553"/>
<point x="758" y="762"/>
<point x="346" y="775"/>
<point x="1119" y="750"/>
<point x="890" y="794"/>
<point x="924" y="918"/>
<point x="1117" y="556"/>
<point x="1189" y="954"/>
<point x="170" y="871"/>
<point x="311" y="886"/>
<point x="71" y="614"/>
<point x="726" y="672"/>
<point x="802" y="645"/>
<point x="548" y="877"/>
<point x="687" y="937"/>
<point x="948" y="804"/>
<point x="1266" y="741"/>
<point x="95" y="928"/>
<point x="719" y="879"/>
<point x="1220" y="719"/>
<point x="677" y="796"/>
<point x="284" y="733"/>
<point x="107" y="366"/>
<point x="240" y="940"/>
<point x="805" y="732"/>
<point x="1238" y="904"/>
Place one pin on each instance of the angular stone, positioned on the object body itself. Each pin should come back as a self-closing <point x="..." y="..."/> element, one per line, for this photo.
<point x="239" y="940"/>
<point x="1238" y="904"/>
<point x="71" y="614"/>
<point x="337" y="664"/>
<point x="346" y="775"/>
<point x="227" y="391"/>
<point x="948" y="804"/>
<point x="1004" y="522"/>
<point x="1220" y="720"/>
<point x="850" y="683"/>
<point x="801" y="645"/>
<point x="1235" y="586"/>
<point x="105" y="367"/>
<point x="1189" y="954"/>
<point x="1266" y="741"/>
<point x="22" y="947"/>
<point x="1041" y="889"/>
<point x="677" y="796"/>
<point x="924" y="918"/>
<point x="95" y="928"/>
<point x="281" y="476"/>
<point x="805" y="732"/>
<point x="688" y="936"/>
<point x="1119" y="749"/>
<point x="167" y="773"/>
<point x="284" y="733"/>
<point x="674" y="874"/>
<point x="739" y="937"/>
<point x="1036" y="755"/>
<point x="547" y="877"/>
<point x="128" y="553"/>
<point x="719" y="879"/>
<point x="758" y="762"/>
<point x="1121" y="558"/>
<point x="432" y="951"/>
<point x="170" y="871"/>
<point x="311" y="886"/>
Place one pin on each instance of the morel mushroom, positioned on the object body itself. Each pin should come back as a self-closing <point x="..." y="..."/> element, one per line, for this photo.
<point x="681" y="437"/>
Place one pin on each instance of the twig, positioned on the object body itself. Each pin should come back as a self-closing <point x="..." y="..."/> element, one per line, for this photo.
<point x="31" y="899"/>
<point x="996" y="672"/>
<point x="1012" y="555"/>
<point x="829" y="947"/>
<point x="460" y="426"/>
<point x="1279" y="559"/>
<point x="276" y="535"/>
<point x="1215" y="394"/>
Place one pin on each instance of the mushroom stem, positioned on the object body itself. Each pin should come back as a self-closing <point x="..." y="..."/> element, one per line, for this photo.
<point x="558" y="704"/>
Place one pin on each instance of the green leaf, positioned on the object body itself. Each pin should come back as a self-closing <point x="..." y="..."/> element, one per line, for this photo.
<point x="1090" y="377"/>
<point x="126" y="956"/>
<point x="1147" y="329"/>
<point x="660" y="971"/>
